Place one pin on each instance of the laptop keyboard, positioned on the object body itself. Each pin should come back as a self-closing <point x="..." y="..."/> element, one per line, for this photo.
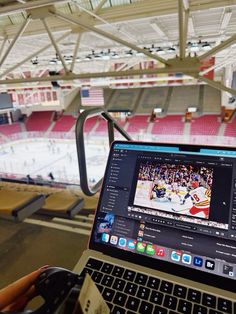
<point x="129" y="292"/>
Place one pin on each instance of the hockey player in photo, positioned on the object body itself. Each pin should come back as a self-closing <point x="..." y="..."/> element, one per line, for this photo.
<point x="200" y="197"/>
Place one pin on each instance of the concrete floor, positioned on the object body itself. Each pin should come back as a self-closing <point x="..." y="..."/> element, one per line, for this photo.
<point x="25" y="247"/>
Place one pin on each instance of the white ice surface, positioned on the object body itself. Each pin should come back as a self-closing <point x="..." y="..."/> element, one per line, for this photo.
<point x="41" y="156"/>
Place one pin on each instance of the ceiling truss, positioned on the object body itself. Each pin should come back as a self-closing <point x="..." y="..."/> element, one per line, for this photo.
<point x="43" y="9"/>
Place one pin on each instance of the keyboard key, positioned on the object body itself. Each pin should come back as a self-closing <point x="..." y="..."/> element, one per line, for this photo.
<point x="107" y="268"/>
<point x="85" y="271"/>
<point x="119" y="284"/>
<point x="94" y="264"/>
<point x="145" y="308"/>
<point x="170" y="302"/>
<point x="129" y="275"/>
<point x="199" y="309"/>
<point x="108" y="294"/>
<point x="156" y="297"/>
<point x="118" y="310"/>
<point x="118" y="271"/>
<point x="131" y="288"/>
<point x="141" y="279"/>
<point x="209" y="300"/>
<point x="120" y="298"/>
<point x="159" y="310"/>
<point x="184" y="307"/>
<point x="132" y="303"/>
<point x="180" y="291"/>
<point x="224" y="305"/>
<point x="97" y="276"/>
<point x="166" y="286"/>
<point x="107" y="280"/>
<point x="143" y="293"/>
<point x="194" y="296"/>
<point x="214" y="312"/>
<point x="153" y="283"/>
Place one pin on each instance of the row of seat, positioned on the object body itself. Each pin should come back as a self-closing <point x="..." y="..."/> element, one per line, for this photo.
<point x="172" y="124"/>
<point x="19" y="201"/>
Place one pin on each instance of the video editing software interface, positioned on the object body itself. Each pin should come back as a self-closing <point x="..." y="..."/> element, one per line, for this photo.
<point x="177" y="206"/>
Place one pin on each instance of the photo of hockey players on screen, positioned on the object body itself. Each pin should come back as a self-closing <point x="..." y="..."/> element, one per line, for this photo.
<point x="180" y="189"/>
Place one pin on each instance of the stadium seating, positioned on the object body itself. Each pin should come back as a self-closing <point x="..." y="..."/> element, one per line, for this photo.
<point x="39" y="121"/>
<point x="64" y="124"/>
<point x="137" y="123"/>
<point x="169" y="125"/>
<point x="89" y="124"/>
<point x="18" y="205"/>
<point x="230" y="129"/>
<point x="205" y="125"/>
<point x="102" y="126"/>
<point x="8" y="129"/>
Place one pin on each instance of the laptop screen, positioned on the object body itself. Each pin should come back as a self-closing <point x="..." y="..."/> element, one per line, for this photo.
<point x="172" y="204"/>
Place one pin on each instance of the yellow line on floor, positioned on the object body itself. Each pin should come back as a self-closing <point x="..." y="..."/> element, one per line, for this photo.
<point x="57" y="226"/>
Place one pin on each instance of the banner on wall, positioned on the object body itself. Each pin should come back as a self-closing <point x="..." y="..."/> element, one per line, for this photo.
<point x="206" y="64"/>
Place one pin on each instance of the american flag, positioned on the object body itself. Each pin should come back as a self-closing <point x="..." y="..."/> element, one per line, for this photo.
<point x="91" y="96"/>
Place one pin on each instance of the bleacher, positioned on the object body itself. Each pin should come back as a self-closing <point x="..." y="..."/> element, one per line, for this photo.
<point x="169" y="125"/>
<point x="102" y="126"/>
<point x="138" y="123"/>
<point x="39" y="121"/>
<point x="205" y="125"/>
<point x="8" y="129"/>
<point x="64" y="123"/>
<point x="230" y="129"/>
<point x="89" y="124"/>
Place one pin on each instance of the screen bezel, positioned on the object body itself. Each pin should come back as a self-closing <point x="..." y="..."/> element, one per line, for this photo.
<point x="164" y="266"/>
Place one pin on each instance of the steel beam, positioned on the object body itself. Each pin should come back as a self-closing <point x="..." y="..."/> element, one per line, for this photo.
<point x="218" y="48"/>
<point x="55" y="45"/>
<point x="20" y="31"/>
<point x="2" y="46"/>
<point x="15" y="8"/>
<point x="71" y="76"/>
<point x="217" y="85"/>
<point x="182" y="44"/>
<point x="87" y="26"/>
<point x="99" y="6"/>
<point x="75" y="52"/>
<point x="36" y="53"/>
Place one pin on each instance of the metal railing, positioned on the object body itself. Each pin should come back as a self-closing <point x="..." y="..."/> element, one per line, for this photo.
<point x="80" y="144"/>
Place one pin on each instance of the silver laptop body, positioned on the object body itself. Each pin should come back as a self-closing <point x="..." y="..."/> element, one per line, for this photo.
<point x="164" y="234"/>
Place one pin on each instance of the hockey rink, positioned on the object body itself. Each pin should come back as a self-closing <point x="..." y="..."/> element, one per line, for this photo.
<point x="39" y="157"/>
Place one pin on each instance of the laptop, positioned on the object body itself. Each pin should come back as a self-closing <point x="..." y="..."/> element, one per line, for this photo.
<point x="164" y="233"/>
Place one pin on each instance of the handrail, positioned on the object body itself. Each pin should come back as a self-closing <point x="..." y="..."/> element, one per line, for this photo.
<point x="79" y="132"/>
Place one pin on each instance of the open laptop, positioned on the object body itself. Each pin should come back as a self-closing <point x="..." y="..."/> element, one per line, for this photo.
<point x="164" y="235"/>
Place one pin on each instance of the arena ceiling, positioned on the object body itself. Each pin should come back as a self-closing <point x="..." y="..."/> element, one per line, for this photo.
<point x="81" y="39"/>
